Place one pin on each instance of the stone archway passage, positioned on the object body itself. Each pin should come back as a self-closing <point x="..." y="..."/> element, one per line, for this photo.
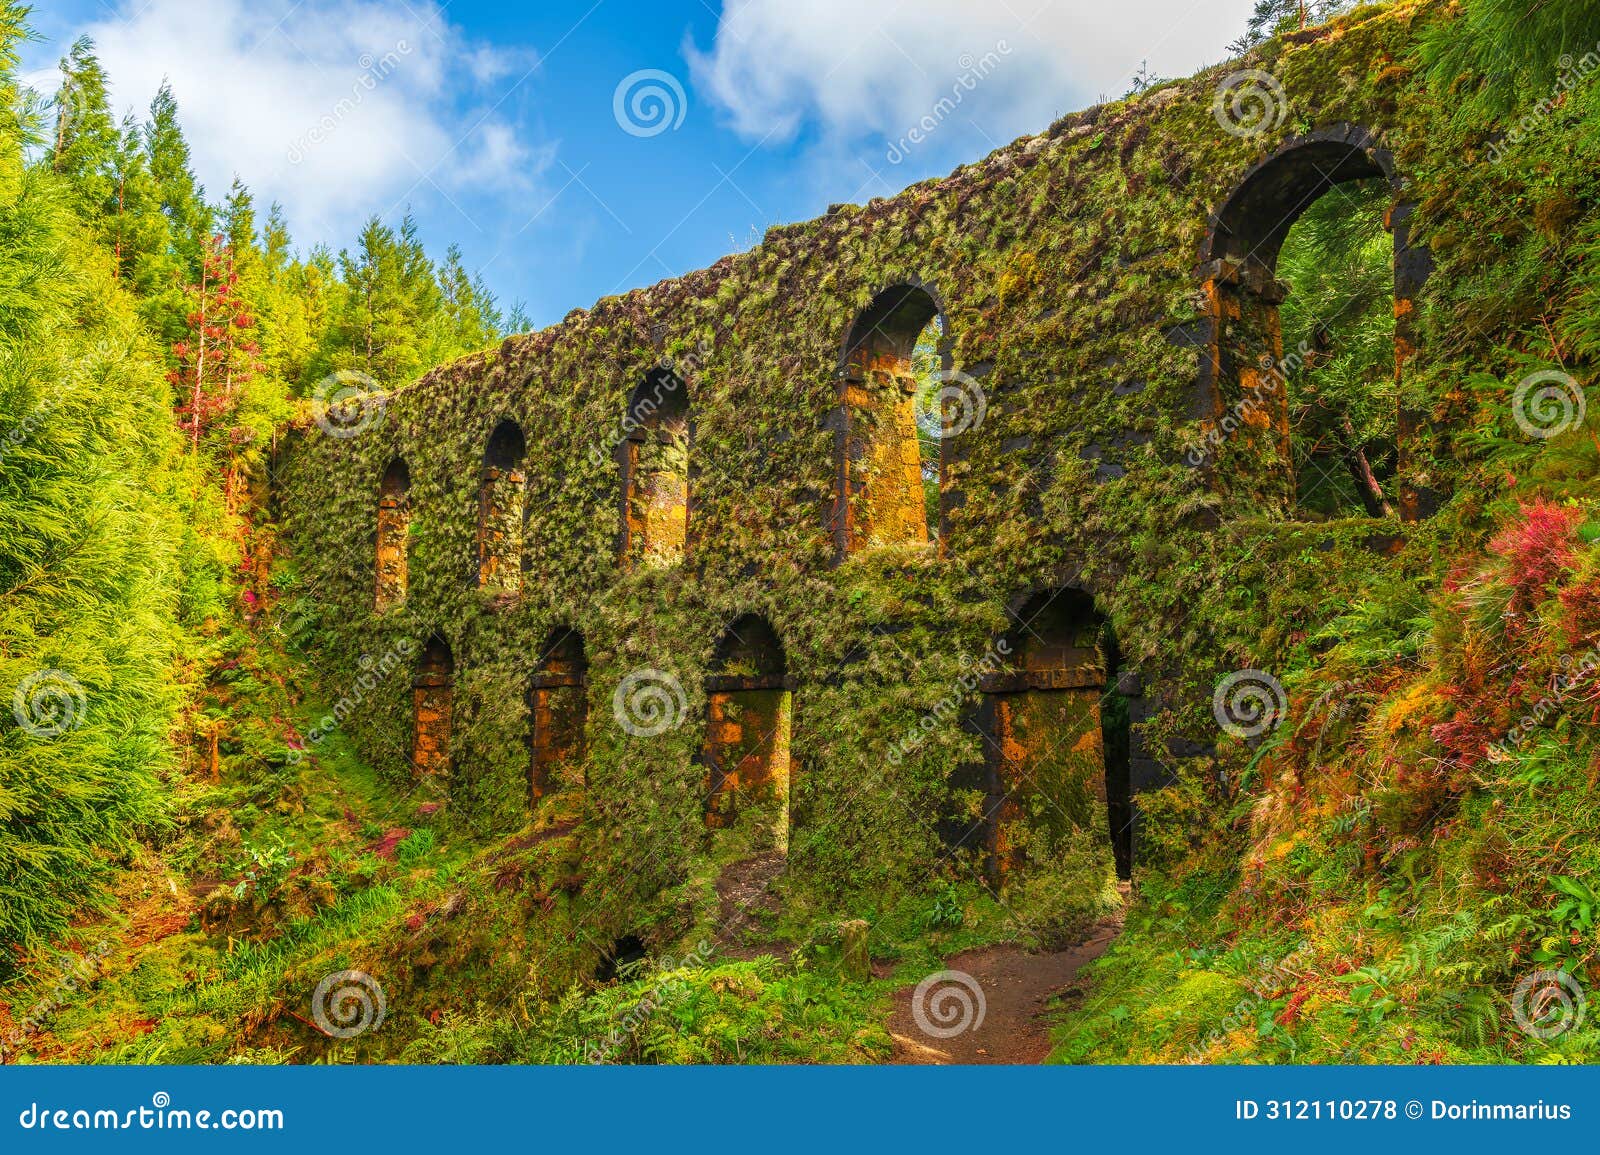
<point x="1048" y="763"/>
<point x="394" y="529"/>
<point x="558" y="709"/>
<point x="1245" y="367"/>
<point x="500" y="510"/>
<point x="655" y="471"/>
<point x="880" y="498"/>
<point x="748" y="717"/>
<point x="431" y="691"/>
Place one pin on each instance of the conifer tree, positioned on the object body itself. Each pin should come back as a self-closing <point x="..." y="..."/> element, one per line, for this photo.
<point x="1273" y="17"/>
<point x="85" y="141"/>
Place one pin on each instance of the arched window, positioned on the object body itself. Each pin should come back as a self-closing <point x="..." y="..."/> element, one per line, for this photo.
<point x="430" y="699"/>
<point x="1056" y="735"/>
<point x="394" y="527"/>
<point x="655" y="471"/>
<point x="500" y="511"/>
<point x="748" y="714"/>
<point x="558" y="707"/>
<point x="1312" y="305"/>
<point x="889" y="457"/>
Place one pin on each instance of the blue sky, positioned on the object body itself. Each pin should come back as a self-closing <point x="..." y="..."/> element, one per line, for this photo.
<point x="575" y="150"/>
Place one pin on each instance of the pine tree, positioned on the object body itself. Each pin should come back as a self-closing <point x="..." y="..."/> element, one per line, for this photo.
<point x="387" y="305"/>
<point x="239" y="227"/>
<point x="468" y="318"/>
<point x="130" y="221"/>
<point x="85" y="143"/>
<point x="1274" y="17"/>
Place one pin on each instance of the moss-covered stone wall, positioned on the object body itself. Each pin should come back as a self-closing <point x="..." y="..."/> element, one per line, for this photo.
<point x="1076" y="276"/>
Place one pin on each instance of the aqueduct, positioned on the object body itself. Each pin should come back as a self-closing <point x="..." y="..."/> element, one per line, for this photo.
<point x="716" y="487"/>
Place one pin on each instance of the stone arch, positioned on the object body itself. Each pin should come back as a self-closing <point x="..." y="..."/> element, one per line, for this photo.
<point x="394" y="530"/>
<point x="558" y="710"/>
<point x="654" y="458"/>
<point x="1056" y="733"/>
<point x="879" y="496"/>
<point x="748" y="729"/>
<point x="1244" y="369"/>
<point x="501" y="487"/>
<point x="431" y="691"/>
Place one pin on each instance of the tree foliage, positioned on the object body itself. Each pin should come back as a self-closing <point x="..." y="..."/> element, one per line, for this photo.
<point x="151" y="343"/>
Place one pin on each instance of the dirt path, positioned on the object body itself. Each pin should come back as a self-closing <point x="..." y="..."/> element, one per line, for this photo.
<point x="744" y="896"/>
<point x="1015" y="986"/>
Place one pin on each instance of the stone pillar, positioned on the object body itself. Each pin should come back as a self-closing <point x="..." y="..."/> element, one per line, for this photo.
<point x="881" y="478"/>
<point x="430" y="753"/>
<point x="558" y="712"/>
<point x="746" y="754"/>
<point x="500" y="529"/>
<point x="394" y="525"/>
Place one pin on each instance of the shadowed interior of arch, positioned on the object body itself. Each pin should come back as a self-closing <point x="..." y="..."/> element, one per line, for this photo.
<point x="747" y="742"/>
<point x="431" y="691"/>
<point x="394" y="528"/>
<point x="558" y="709"/>
<point x="655" y="471"/>
<point x="500" y="510"/>
<point x="1055" y="732"/>
<point x="890" y="460"/>
<point x="1305" y="289"/>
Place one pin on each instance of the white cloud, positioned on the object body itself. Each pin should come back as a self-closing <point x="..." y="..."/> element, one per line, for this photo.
<point x="337" y="108"/>
<point x="874" y="68"/>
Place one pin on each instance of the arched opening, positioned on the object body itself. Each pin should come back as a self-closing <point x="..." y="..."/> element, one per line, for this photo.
<point x="430" y="709"/>
<point x="394" y="529"/>
<point x="748" y="714"/>
<point x="655" y="471"/>
<point x="500" y="510"/>
<point x="625" y="955"/>
<point x="1312" y="279"/>
<point x="1056" y="736"/>
<point x="558" y="708"/>
<point x="891" y="424"/>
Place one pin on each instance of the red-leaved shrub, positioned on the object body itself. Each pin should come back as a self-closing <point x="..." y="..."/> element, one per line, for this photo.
<point x="1537" y="550"/>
